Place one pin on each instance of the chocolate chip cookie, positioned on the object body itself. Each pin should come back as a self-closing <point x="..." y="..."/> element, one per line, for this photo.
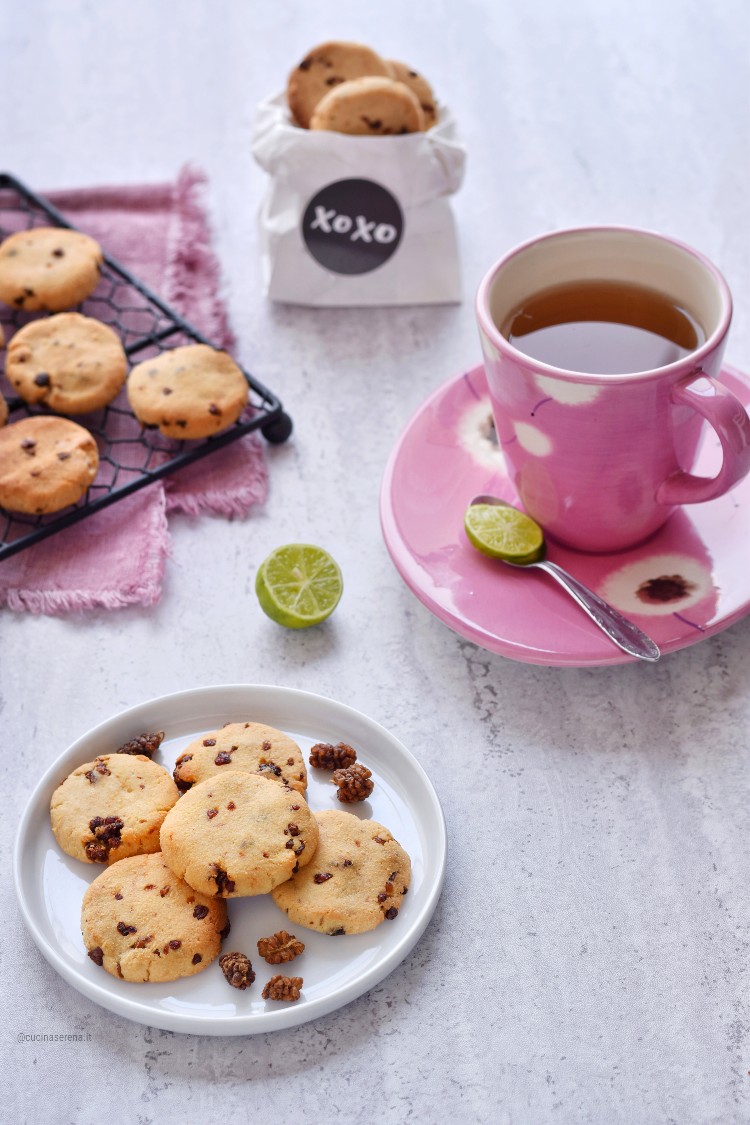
<point x="48" y="268"/>
<point x="112" y="807"/>
<point x="419" y="86"/>
<point x="370" y="107"/>
<point x="141" y="923"/>
<point x="68" y="362"/>
<point x="46" y="463"/>
<point x="189" y="392"/>
<point x="238" y="834"/>
<point x="253" y="747"/>
<point x="326" y="67"/>
<point x="357" y="877"/>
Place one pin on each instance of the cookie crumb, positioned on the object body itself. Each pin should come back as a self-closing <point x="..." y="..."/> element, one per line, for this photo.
<point x="237" y="970"/>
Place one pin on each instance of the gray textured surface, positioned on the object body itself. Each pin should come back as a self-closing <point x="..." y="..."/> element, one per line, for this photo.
<point x="588" y="960"/>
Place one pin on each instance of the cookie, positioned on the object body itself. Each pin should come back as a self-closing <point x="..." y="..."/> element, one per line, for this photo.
<point x="419" y="86"/>
<point x="326" y="67"/>
<point x="3" y="403"/>
<point x="141" y="923"/>
<point x="253" y="747"/>
<point x="188" y="392"/>
<point x="371" y="107"/>
<point x="358" y="877"/>
<point x="238" y="834"/>
<point x="48" y="268"/>
<point x="68" y="362"/>
<point x="112" y="808"/>
<point x="46" y="463"/>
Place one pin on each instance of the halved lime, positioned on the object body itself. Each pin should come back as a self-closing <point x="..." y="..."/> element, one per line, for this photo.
<point x="503" y="533"/>
<point x="298" y="585"/>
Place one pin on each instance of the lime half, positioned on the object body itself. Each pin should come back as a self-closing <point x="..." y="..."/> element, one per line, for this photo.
<point x="503" y="533"/>
<point x="298" y="585"/>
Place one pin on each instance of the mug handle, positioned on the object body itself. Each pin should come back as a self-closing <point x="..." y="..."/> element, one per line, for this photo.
<point x="726" y="414"/>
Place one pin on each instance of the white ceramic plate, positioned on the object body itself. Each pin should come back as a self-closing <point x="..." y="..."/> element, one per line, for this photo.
<point x="50" y="885"/>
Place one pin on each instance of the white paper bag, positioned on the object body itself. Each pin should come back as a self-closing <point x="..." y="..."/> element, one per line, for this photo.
<point x="358" y="220"/>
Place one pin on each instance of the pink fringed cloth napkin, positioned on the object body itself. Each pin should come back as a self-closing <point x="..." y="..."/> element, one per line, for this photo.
<point x="117" y="556"/>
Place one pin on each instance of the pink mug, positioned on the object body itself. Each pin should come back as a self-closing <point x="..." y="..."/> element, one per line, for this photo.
<point x="600" y="461"/>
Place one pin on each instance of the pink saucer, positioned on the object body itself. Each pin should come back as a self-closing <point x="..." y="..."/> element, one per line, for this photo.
<point x="689" y="581"/>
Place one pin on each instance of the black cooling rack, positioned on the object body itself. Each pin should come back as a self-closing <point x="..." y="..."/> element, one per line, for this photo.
<point x="130" y="456"/>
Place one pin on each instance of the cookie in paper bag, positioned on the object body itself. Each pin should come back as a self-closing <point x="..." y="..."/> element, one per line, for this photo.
<point x="369" y="107"/>
<point x="326" y="67"/>
<point x="418" y="86"/>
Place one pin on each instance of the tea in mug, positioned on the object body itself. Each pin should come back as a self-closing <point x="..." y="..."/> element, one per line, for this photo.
<point x="602" y="328"/>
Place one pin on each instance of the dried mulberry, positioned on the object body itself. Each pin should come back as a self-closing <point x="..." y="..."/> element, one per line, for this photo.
<point x="353" y="783"/>
<point x="283" y="988"/>
<point x="324" y="756"/>
<point x="146" y="744"/>
<point x="237" y="969"/>
<point x="280" y="947"/>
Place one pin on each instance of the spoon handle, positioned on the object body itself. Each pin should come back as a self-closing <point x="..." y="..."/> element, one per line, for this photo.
<point x="623" y="632"/>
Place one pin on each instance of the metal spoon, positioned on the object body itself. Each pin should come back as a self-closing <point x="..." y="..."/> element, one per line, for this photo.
<point x="619" y="629"/>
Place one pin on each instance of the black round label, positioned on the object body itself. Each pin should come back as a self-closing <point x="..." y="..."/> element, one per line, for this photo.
<point x="352" y="226"/>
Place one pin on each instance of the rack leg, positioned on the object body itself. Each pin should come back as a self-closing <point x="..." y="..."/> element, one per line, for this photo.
<point x="278" y="429"/>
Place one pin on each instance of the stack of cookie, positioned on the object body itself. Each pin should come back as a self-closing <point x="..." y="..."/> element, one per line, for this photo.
<point x="348" y="88"/>
<point x="70" y="364"/>
<point x="241" y="828"/>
